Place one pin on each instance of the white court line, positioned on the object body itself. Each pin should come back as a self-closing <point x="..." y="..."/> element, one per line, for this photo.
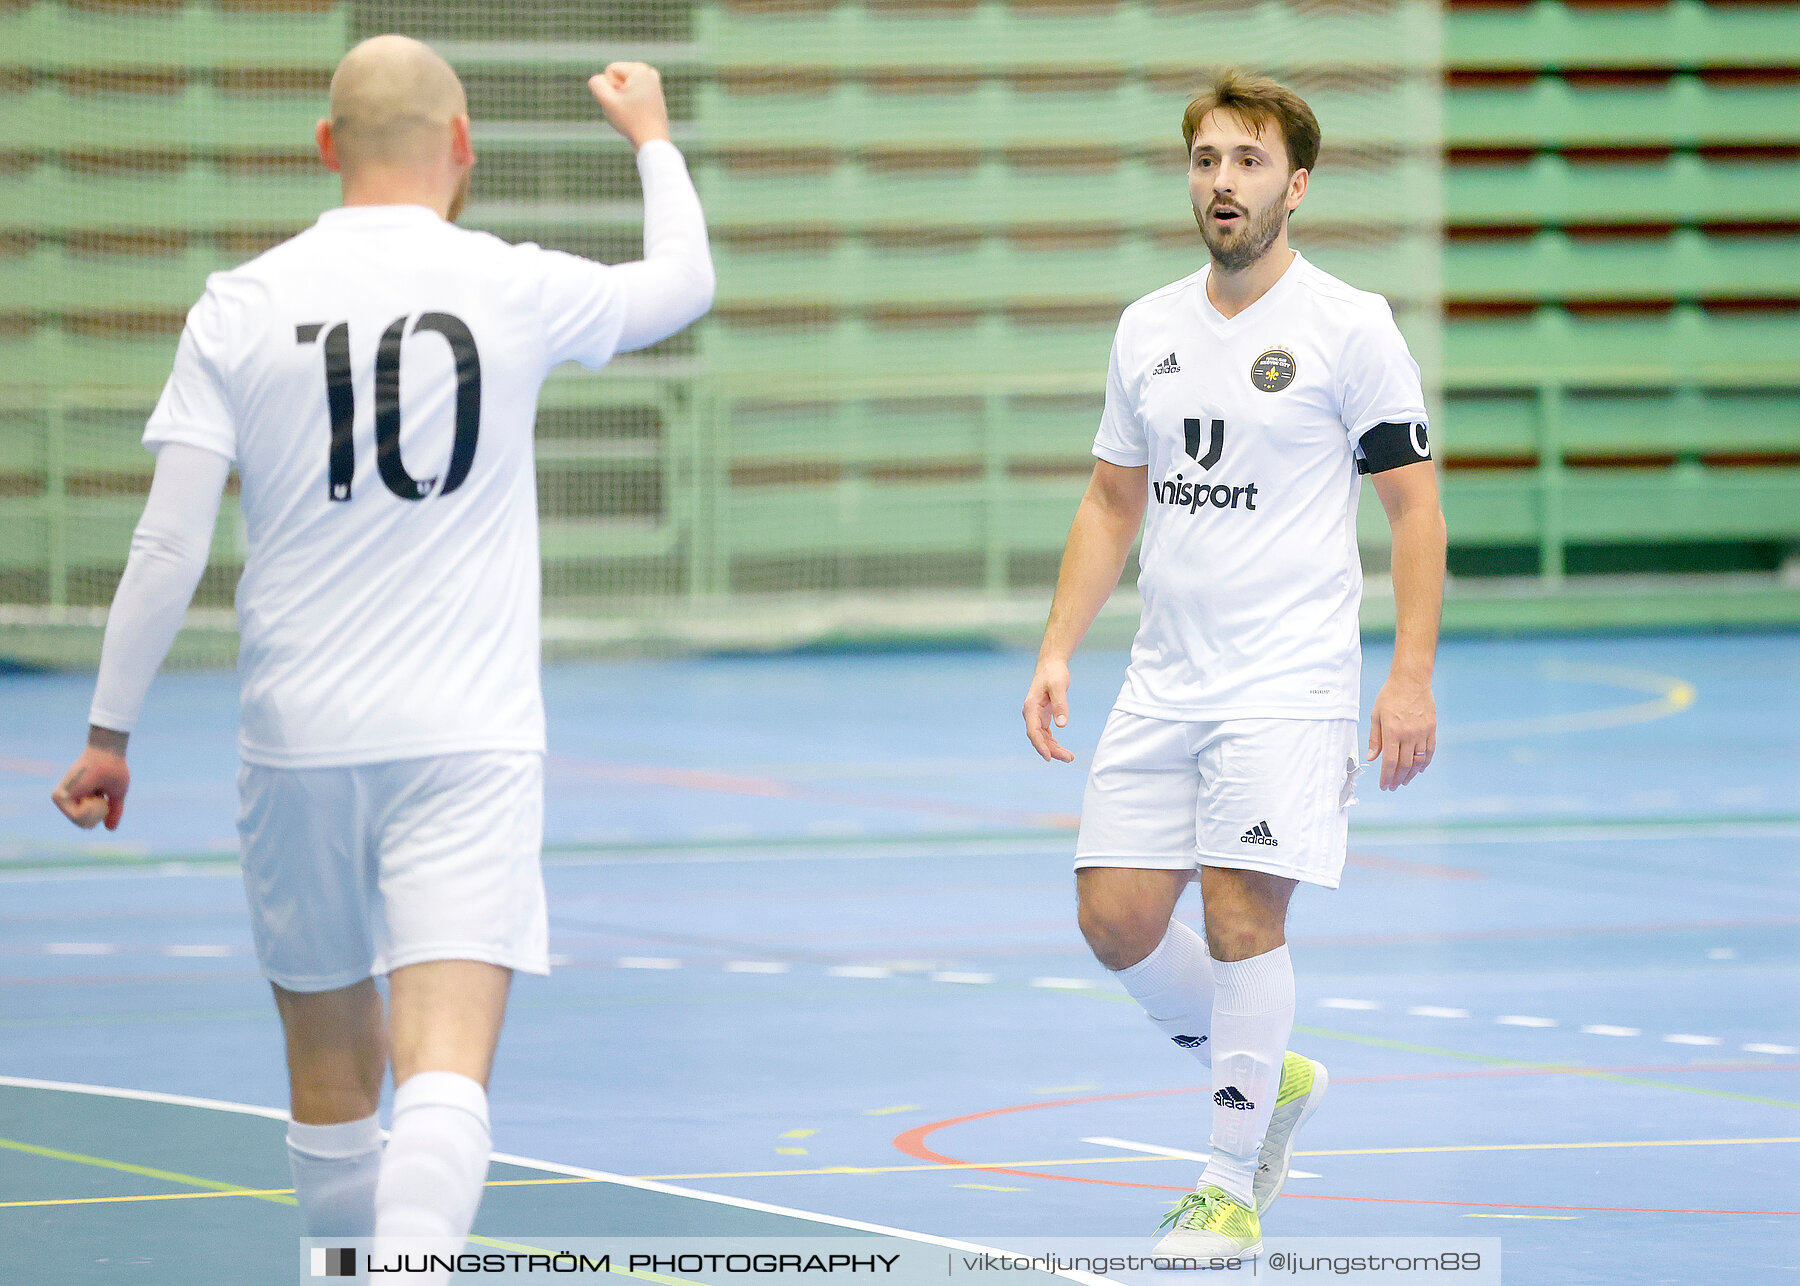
<point x="1436" y="1011"/>
<point x="1604" y="1029"/>
<point x="951" y="975"/>
<point x="1524" y="1020"/>
<point x="1340" y="1002"/>
<point x="573" y="1171"/>
<point x="1156" y="1150"/>
<point x="145" y="1096"/>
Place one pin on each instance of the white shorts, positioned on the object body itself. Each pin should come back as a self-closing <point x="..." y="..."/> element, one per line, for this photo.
<point x="1257" y="794"/>
<point x="360" y="870"/>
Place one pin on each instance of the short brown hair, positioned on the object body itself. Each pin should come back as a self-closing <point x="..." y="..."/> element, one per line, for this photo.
<point x="1259" y="102"/>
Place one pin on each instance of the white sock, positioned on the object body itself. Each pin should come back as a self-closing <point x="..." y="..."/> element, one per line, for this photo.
<point x="1253" y="1016"/>
<point x="436" y="1162"/>
<point x="1174" y="984"/>
<point x="334" y="1169"/>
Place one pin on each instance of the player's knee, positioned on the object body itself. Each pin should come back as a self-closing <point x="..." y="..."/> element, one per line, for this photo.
<point x="1120" y="935"/>
<point x="1241" y="938"/>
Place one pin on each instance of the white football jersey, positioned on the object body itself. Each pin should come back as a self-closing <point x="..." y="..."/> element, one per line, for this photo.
<point x="375" y="380"/>
<point x="1250" y="429"/>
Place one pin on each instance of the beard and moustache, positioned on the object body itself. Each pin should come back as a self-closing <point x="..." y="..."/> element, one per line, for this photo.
<point x="458" y="201"/>
<point x="1245" y="245"/>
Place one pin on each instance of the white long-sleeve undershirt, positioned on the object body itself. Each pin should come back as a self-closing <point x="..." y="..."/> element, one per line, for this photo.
<point x="168" y="554"/>
<point x="671" y="287"/>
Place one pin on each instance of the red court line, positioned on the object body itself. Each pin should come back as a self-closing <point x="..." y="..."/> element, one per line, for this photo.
<point x="774" y="788"/>
<point x="912" y="1142"/>
<point x="1400" y="866"/>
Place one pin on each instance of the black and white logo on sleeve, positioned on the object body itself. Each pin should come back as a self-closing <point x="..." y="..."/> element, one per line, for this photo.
<point x="1421" y="444"/>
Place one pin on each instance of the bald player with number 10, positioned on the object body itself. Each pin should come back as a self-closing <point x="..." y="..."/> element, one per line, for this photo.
<point x="374" y="381"/>
<point x="1242" y="405"/>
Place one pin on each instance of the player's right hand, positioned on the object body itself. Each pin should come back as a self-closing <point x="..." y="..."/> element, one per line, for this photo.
<point x="93" y="790"/>
<point x="632" y="97"/>
<point x="1048" y="702"/>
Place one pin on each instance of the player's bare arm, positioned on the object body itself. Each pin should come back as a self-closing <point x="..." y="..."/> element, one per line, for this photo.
<point x="1106" y="523"/>
<point x="1403" y="725"/>
<point x="93" y="790"/>
<point x="632" y="97"/>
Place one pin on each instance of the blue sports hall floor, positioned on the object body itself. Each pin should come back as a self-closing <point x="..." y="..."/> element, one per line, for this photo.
<point x="816" y="955"/>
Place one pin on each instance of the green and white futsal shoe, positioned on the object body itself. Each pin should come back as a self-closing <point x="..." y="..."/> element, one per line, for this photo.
<point x="1210" y="1224"/>
<point x="1303" y="1084"/>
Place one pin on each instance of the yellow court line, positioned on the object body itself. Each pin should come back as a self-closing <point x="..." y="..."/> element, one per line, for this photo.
<point x="1344" y="1152"/>
<point x="278" y="1193"/>
<point x="1671" y="695"/>
<point x="148" y="1172"/>
<point x="154" y="1196"/>
<point x="1540" y="1147"/>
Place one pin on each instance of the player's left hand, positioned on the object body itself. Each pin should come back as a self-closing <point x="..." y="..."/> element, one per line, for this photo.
<point x="93" y="790"/>
<point x="1403" y="731"/>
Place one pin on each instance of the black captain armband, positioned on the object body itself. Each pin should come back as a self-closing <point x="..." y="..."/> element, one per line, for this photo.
<point x="1389" y="446"/>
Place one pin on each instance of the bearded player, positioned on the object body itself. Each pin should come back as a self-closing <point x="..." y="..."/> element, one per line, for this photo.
<point x="1242" y="404"/>
<point x="374" y="382"/>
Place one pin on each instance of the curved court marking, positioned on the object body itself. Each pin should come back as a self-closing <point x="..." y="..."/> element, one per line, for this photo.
<point x="912" y="1143"/>
<point x="549" y="1167"/>
<point x="728" y="783"/>
<point x="1670" y="695"/>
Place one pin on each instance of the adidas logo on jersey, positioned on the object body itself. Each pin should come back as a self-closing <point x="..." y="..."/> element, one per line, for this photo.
<point x="1189" y="1042"/>
<point x="1233" y="1097"/>
<point x="1168" y="366"/>
<point x="1259" y="834"/>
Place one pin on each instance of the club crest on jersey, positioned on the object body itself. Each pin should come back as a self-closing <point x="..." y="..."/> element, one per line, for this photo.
<point x="1273" y="371"/>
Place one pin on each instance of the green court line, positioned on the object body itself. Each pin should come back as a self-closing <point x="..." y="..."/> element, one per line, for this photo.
<point x="239" y="1190"/>
<point x="1493" y="1061"/>
<point x="144" y="1171"/>
<point x="50" y="859"/>
<point x="130" y="1019"/>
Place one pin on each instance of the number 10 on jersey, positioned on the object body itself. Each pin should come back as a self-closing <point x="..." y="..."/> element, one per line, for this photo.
<point x="340" y="399"/>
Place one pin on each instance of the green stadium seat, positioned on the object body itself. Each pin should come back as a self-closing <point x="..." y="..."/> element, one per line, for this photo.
<point x="184" y="36"/>
<point x="1551" y="190"/>
<point x="1684" y="264"/>
<point x="1684" y="112"/>
<point x="1678" y="33"/>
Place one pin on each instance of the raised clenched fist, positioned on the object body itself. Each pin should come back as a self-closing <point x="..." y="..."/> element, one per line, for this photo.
<point x="631" y="95"/>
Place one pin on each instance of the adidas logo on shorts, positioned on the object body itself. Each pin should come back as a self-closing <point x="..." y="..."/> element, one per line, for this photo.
<point x="1259" y="834"/>
<point x="1233" y="1097"/>
<point x="1189" y="1042"/>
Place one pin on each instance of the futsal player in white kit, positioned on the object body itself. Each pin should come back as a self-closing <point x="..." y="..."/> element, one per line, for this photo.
<point x="374" y="380"/>
<point x="1242" y="404"/>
